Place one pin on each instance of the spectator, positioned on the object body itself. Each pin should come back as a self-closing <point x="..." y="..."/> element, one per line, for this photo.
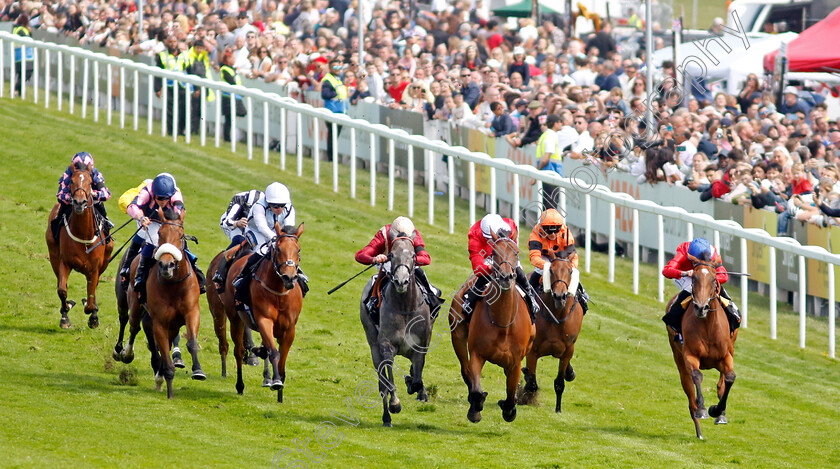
<point x="501" y="124"/>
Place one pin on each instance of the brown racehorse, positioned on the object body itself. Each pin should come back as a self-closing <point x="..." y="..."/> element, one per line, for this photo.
<point x="79" y="233"/>
<point x="276" y="301"/>
<point x="557" y="328"/>
<point x="172" y="293"/>
<point x="707" y="344"/>
<point x="500" y="331"/>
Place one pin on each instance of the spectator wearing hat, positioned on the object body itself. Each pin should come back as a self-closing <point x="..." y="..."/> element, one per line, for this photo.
<point x="791" y="103"/>
<point x="520" y="66"/>
<point x="243" y="25"/>
<point x="536" y="119"/>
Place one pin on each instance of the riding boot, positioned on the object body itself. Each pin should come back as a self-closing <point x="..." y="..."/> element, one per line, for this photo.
<point x="535" y="279"/>
<point x="202" y="281"/>
<point x="140" y="277"/>
<point x="303" y="281"/>
<point x="242" y="283"/>
<point x="106" y="223"/>
<point x="125" y="271"/>
<point x="582" y="298"/>
<point x="673" y="318"/>
<point x="473" y="294"/>
<point x="58" y="221"/>
<point x="732" y="313"/>
<point x="433" y="295"/>
<point x="220" y="277"/>
<point x="530" y="294"/>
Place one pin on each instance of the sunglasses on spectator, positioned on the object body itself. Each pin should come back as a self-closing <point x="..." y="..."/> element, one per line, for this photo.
<point x="553" y="229"/>
<point x="276" y="206"/>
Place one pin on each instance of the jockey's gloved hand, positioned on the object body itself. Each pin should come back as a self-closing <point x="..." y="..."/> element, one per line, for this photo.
<point x="686" y="273"/>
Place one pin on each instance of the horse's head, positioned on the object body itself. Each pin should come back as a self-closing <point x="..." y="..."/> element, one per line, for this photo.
<point x="170" y="251"/>
<point x="285" y="253"/>
<point x="704" y="286"/>
<point x="80" y="187"/>
<point x="559" y="278"/>
<point x="505" y="259"/>
<point x="402" y="262"/>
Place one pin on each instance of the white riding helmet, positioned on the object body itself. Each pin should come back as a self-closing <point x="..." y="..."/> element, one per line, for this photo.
<point x="401" y="225"/>
<point x="277" y="193"/>
<point x="493" y="223"/>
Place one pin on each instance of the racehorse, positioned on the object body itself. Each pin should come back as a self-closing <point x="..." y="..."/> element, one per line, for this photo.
<point x="405" y="328"/>
<point x="558" y="326"/>
<point x="220" y="314"/>
<point x="500" y="332"/>
<point x="708" y="344"/>
<point x="172" y="301"/>
<point x="81" y="230"/>
<point x="276" y="301"/>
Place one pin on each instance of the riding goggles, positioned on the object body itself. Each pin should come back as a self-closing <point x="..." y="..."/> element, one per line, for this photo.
<point x="552" y="229"/>
<point x="276" y="206"/>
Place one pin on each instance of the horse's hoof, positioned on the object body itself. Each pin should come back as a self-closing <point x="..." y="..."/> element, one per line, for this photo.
<point x="252" y="360"/>
<point x="701" y="413"/>
<point x="721" y="419"/>
<point x="395" y="408"/>
<point x="158" y="382"/>
<point x="266" y="383"/>
<point x="715" y="411"/>
<point x="93" y="321"/>
<point x="276" y="385"/>
<point x="570" y="373"/>
<point x="127" y="356"/>
<point x="474" y="417"/>
<point x="387" y="424"/>
<point x="65" y="322"/>
<point x="557" y="409"/>
<point x="422" y="396"/>
<point x="116" y="355"/>
<point x="198" y="375"/>
<point x="509" y="416"/>
<point x="413" y="387"/>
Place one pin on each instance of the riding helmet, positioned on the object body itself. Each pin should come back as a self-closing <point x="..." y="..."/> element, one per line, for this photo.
<point x="493" y="223"/>
<point x="701" y="249"/>
<point x="401" y="225"/>
<point x="83" y="157"/>
<point x="277" y="193"/>
<point x="164" y="185"/>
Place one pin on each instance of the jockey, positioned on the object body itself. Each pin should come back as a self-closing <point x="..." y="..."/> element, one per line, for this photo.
<point x="125" y="200"/>
<point x="161" y="193"/>
<point x="234" y="223"/>
<point x="274" y="207"/>
<point x="552" y="234"/>
<point x="100" y="194"/>
<point x="481" y="257"/>
<point x="376" y="252"/>
<point x="681" y="267"/>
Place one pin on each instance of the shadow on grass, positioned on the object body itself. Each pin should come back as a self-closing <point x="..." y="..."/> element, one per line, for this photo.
<point x="37" y="328"/>
<point x="628" y="431"/>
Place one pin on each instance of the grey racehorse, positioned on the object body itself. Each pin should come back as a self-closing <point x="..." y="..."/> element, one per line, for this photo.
<point x="405" y="328"/>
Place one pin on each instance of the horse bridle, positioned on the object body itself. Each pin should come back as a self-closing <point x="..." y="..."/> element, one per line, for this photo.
<point x="497" y="266"/>
<point x="273" y="251"/>
<point x="559" y="280"/>
<point x="717" y="283"/>
<point x="394" y="267"/>
<point x="183" y="240"/>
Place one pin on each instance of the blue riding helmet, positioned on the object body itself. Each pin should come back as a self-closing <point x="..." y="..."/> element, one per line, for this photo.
<point x="163" y="185"/>
<point x="701" y="249"/>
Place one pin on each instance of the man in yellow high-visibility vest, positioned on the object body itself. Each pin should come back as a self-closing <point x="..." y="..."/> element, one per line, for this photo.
<point x="334" y="94"/>
<point x="198" y="63"/>
<point x="173" y="60"/>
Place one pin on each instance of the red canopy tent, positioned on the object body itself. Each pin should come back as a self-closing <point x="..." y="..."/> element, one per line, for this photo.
<point x="814" y="50"/>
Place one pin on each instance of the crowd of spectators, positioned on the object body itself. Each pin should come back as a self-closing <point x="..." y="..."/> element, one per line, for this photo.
<point x="457" y="63"/>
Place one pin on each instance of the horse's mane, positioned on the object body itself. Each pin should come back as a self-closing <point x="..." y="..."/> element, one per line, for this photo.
<point x="170" y="214"/>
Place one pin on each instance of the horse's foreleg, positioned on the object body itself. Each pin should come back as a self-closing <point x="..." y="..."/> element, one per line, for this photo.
<point x="192" y="321"/>
<point x="61" y="289"/>
<point x="91" y="307"/>
<point x="696" y="403"/>
<point x="162" y="337"/>
<point x="460" y="331"/>
<point x="386" y="371"/>
<point x="476" y="397"/>
<point x="266" y="327"/>
<point x="286" y="341"/>
<point x="418" y="361"/>
<point x="136" y="314"/>
<point x="727" y="375"/>
<point x="151" y="344"/>
<point x="530" y="372"/>
<point x="122" y="310"/>
<point x="508" y="405"/>
<point x="236" y="332"/>
<point x="560" y="380"/>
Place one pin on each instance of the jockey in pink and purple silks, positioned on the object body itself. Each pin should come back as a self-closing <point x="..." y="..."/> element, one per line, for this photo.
<point x="99" y="192"/>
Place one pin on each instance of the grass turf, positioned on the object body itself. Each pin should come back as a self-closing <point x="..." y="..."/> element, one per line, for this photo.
<point x="66" y="403"/>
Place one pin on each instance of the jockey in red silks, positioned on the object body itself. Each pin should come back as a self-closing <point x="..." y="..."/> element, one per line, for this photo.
<point x="481" y="256"/>
<point x="376" y="252"/>
<point x="681" y="268"/>
<point x="162" y="192"/>
<point x="99" y="192"/>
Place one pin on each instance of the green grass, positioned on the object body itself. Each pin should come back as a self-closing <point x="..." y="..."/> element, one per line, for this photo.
<point x="66" y="403"/>
<point x="707" y="10"/>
